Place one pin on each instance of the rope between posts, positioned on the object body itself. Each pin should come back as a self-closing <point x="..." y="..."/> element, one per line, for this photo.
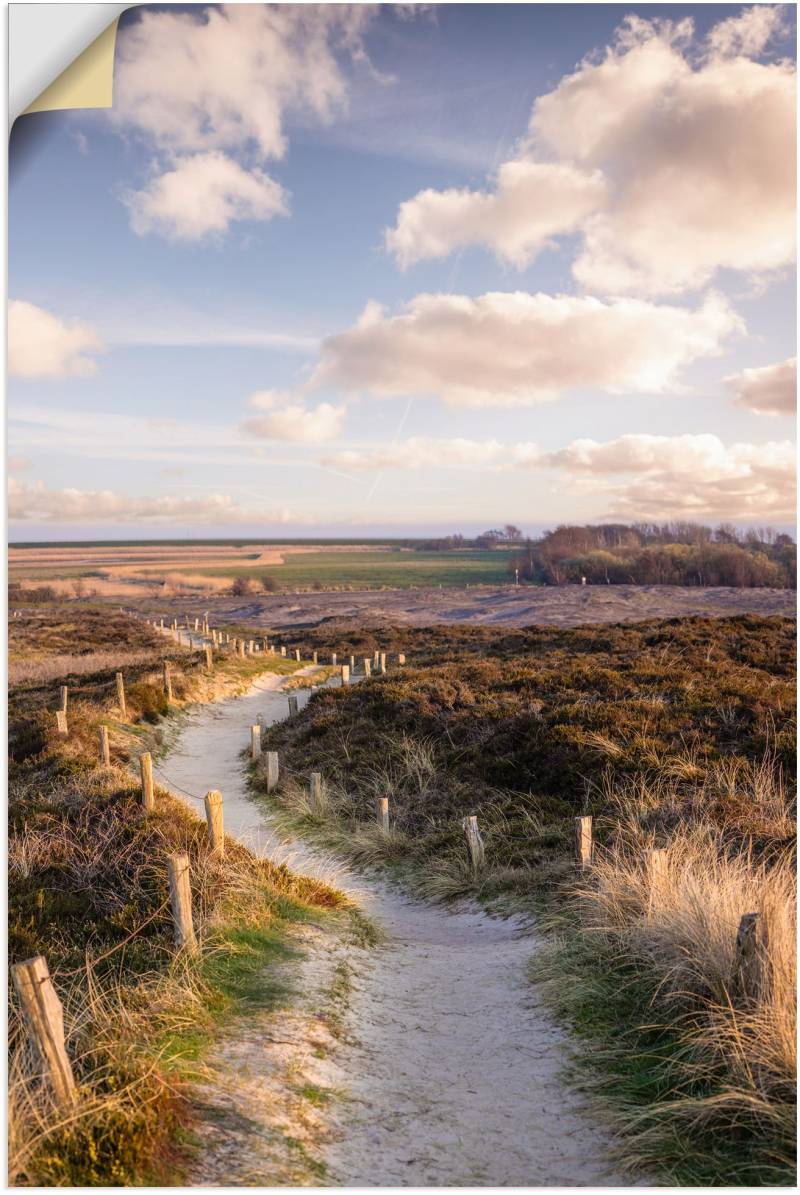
<point x="172" y="784"/>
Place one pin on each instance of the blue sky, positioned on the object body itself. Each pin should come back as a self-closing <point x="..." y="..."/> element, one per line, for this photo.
<point x="651" y="387"/>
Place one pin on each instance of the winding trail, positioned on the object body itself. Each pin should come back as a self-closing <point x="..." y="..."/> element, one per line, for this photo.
<point x="451" y="1068"/>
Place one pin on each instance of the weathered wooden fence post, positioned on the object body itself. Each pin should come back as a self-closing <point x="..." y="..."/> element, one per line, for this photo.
<point x="123" y="709"/>
<point x="272" y="770"/>
<point x="61" y="723"/>
<point x="345" y="674"/>
<point x="747" y="969"/>
<point x="297" y="654"/>
<point x="146" y="772"/>
<point x="252" y="647"/>
<point x="64" y="693"/>
<point x="367" y="667"/>
<point x="315" y="792"/>
<point x="167" y="682"/>
<point x="313" y="657"/>
<point x="255" y="742"/>
<point x="383" y="813"/>
<point x="241" y="648"/>
<point x="209" y="660"/>
<point x="584" y="845"/>
<point x="283" y="651"/>
<point x="216" y="834"/>
<point x="352" y="663"/>
<point x="656" y="864"/>
<point x="180" y="896"/>
<point x="477" y="851"/>
<point x="105" y="752"/>
<point x="401" y="659"/>
<point x="333" y="659"/>
<point x="44" y="1018"/>
<point x="292" y="705"/>
<point x="382" y="661"/>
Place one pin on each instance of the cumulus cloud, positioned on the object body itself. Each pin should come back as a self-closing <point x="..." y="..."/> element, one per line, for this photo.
<point x="517" y="349"/>
<point x="202" y="195"/>
<point x="28" y="501"/>
<point x="767" y="390"/>
<point x="207" y="86"/>
<point x="677" y="159"/>
<point x="42" y="345"/>
<point x="694" y="476"/>
<point x="288" y="419"/>
<point x="531" y="202"/>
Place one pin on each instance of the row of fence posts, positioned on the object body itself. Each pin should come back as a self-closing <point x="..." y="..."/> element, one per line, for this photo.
<point x="41" y="1008"/>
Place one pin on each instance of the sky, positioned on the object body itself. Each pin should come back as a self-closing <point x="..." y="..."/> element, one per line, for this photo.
<point x="404" y="270"/>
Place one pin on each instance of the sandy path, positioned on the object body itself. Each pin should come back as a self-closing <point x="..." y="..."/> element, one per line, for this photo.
<point x="451" y="1067"/>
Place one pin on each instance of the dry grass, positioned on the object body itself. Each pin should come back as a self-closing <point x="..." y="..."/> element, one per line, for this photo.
<point x="63" y="666"/>
<point x="727" y="1110"/>
<point x="88" y="889"/>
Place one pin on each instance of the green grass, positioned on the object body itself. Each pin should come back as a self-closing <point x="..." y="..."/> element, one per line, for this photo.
<point x="393" y="569"/>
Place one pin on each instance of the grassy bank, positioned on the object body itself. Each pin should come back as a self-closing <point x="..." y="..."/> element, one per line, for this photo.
<point x="88" y="890"/>
<point x="677" y="734"/>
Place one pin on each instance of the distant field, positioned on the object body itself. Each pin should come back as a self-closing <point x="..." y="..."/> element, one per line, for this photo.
<point x="148" y="569"/>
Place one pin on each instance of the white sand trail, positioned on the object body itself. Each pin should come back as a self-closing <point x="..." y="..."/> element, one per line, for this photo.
<point x="451" y="1067"/>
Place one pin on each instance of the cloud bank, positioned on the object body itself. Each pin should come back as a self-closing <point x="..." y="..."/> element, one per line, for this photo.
<point x="672" y="156"/>
<point x="287" y="419"/>
<point x="517" y="349"/>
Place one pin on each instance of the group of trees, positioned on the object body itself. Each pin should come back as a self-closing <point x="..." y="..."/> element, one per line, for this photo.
<point x="665" y="554"/>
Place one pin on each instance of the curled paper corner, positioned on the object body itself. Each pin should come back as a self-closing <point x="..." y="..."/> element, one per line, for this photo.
<point x="88" y="82"/>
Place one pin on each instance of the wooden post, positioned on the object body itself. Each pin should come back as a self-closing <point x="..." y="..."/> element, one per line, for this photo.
<point x="123" y="709"/>
<point x="252" y="647"/>
<point x="209" y="660"/>
<point x="61" y="723"/>
<point x="474" y="842"/>
<point x="401" y="659"/>
<point x="241" y="648"/>
<point x="352" y="663"/>
<point x="584" y="846"/>
<point x="376" y="658"/>
<point x="283" y="651"/>
<point x="746" y="969"/>
<point x="180" y="895"/>
<point x="44" y="1018"/>
<point x="64" y="698"/>
<point x="272" y="770"/>
<point x="656" y="864"/>
<point x="333" y="659"/>
<point x="105" y="753"/>
<point x="197" y="624"/>
<point x="292" y="705"/>
<point x="382" y="661"/>
<point x="345" y="674"/>
<point x="297" y="654"/>
<point x="255" y="742"/>
<point x="213" y="804"/>
<point x="167" y="682"/>
<point x="367" y="667"/>
<point x="383" y="813"/>
<point x="146" y="771"/>
<point x="315" y="792"/>
<point x="313" y="657"/>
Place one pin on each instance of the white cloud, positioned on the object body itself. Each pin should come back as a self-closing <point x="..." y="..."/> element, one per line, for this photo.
<point x="202" y="86"/>
<point x="693" y="476"/>
<point x="42" y="345"/>
<point x="201" y="195"/>
<point x="768" y="390"/>
<point x="18" y="464"/>
<point x="517" y="349"/>
<point x="695" y="146"/>
<point x="419" y="452"/>
<point x="223" y="78"/>
<point x="34" y="501"/>
<point x="531" y="202"/>
<point x="287" y="419"/>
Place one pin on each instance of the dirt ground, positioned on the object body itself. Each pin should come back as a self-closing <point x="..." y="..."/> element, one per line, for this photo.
<point x="565" y="606"/>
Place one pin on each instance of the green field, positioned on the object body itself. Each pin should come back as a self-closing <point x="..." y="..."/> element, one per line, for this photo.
<point x="394" y="569"/>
